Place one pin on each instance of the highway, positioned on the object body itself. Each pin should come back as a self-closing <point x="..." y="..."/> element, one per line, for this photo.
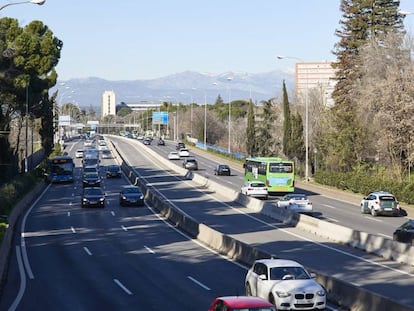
<point x="116" y="258"/>
<point x="129" y="258"/>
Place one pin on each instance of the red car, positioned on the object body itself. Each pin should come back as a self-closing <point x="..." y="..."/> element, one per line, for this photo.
<point x="236" y="303"/>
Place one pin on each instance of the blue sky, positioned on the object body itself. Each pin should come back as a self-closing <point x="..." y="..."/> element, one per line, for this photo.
<point x="138" y="39"/>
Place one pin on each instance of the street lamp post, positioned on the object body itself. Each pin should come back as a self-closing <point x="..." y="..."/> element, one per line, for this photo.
<point x="26" y="168"/>
<point x="39" y="2"/>
<point x="229" y="147"/>
<point x="306" y="118"/>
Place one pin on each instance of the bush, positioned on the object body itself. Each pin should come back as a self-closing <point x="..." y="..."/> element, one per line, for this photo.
<point x="363" y="183"/>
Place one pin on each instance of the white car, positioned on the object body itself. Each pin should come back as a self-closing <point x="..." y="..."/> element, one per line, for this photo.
<point x="380" y="203"/>
<point x="296" y="202"/>
<point x="286" y="284"/>
<point x="255" y="189"/>
<point x="183" y="152"/>
<point x="173" y="155"/>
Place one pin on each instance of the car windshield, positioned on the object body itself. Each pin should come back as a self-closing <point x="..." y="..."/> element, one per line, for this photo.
<point x="113" y="168"/>
<point x="131" y="190"/>
<point x="91" y="175"/>
<point x="296" y="273"/>
<point x="91" y="191"/>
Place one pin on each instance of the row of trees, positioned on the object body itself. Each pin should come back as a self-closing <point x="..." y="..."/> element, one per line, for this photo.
<point x="370" y="126"/>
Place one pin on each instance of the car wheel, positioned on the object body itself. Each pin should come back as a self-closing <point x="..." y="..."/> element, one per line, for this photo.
<point x="374" y="212"/>
<point x="272" y="299"/>
<point x="248" y="290"/>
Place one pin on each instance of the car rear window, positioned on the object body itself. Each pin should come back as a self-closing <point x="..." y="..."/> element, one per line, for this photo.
<point x="387" y="198"/>
<point x="258" y="185"/>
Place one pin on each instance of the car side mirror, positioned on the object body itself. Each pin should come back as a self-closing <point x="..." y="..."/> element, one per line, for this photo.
<point x="262" y="277"/>
<point x="288" y="277"/>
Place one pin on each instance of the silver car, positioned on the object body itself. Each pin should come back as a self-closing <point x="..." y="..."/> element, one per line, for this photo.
<point x="296" y="202"/>
<point x="190" y="164"/>
<point x="380" y="203"/>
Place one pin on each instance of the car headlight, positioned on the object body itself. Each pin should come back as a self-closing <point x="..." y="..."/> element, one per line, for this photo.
<point x="283" y="294"/>
<point x="321" y="293"/>
<point x="101" y="199"/>
<point x="123" y="197"/>
<point x="141" y="197"/>
<point x="84" y="199"/>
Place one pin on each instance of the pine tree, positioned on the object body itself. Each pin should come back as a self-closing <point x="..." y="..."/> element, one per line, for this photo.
<point x="362" y="20"/>
<point x="287" y="128"/>
<point x="265" y="138"/>
<point x="251" y="131"/>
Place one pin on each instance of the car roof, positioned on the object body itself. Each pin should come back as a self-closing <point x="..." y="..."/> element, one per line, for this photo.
<point x="129" y="186"/>
<point x="245" y="301"/>
<point x="272" y="263"/>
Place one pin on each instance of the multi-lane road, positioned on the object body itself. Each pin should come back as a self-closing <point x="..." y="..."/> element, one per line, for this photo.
<point x="129" y="258"/>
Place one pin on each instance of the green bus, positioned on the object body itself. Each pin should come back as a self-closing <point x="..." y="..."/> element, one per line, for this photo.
<point x="278" y="174"/>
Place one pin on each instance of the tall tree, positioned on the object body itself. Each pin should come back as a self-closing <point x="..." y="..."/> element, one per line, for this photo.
<point x="27" y="70"/>
<point x="361" y="20"/>
<point x="265" y="140"/>
<point x="287" y="129"/>
<point x="251" y="131"/>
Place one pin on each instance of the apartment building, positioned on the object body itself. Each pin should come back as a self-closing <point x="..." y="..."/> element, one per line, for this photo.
<point x="108" y="106"/>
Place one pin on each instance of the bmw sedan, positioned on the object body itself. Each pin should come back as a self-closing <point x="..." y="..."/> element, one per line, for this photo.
<point x="93" y="196"/>
<point x="286" y="284"/>
<point x="131" y="195"/>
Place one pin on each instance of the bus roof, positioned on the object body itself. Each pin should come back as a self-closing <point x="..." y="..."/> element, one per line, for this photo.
<point x="61" y="157"/>
<point x="267" y="159"/>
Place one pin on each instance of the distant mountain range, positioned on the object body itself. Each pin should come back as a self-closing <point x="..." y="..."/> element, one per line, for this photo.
<point x="181" y="87"/>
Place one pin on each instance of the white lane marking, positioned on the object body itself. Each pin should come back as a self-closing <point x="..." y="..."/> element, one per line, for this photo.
<point x="112" y="213"/>
<point x="149" y="249"/>
<point x="332" y="219"/>
<point x="68" y="214"/>
<point x="124" y="228"/>
<point x="270" y="225"/>
<point x="23" y="242"/>
<point x="330" y="206"/>
<point x="126" y="290"/>
<point x="22" y="287"/>
<point x="73" y="229"/>
<point x="373" y="219"/>
<point x="87" y="251"/>
<point x="198" y="283"/>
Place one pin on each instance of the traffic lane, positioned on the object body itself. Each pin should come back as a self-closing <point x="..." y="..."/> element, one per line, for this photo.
<point x="343" y="213"/>
<point x="326" y="208"/>
<point x="239" y="226"/>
